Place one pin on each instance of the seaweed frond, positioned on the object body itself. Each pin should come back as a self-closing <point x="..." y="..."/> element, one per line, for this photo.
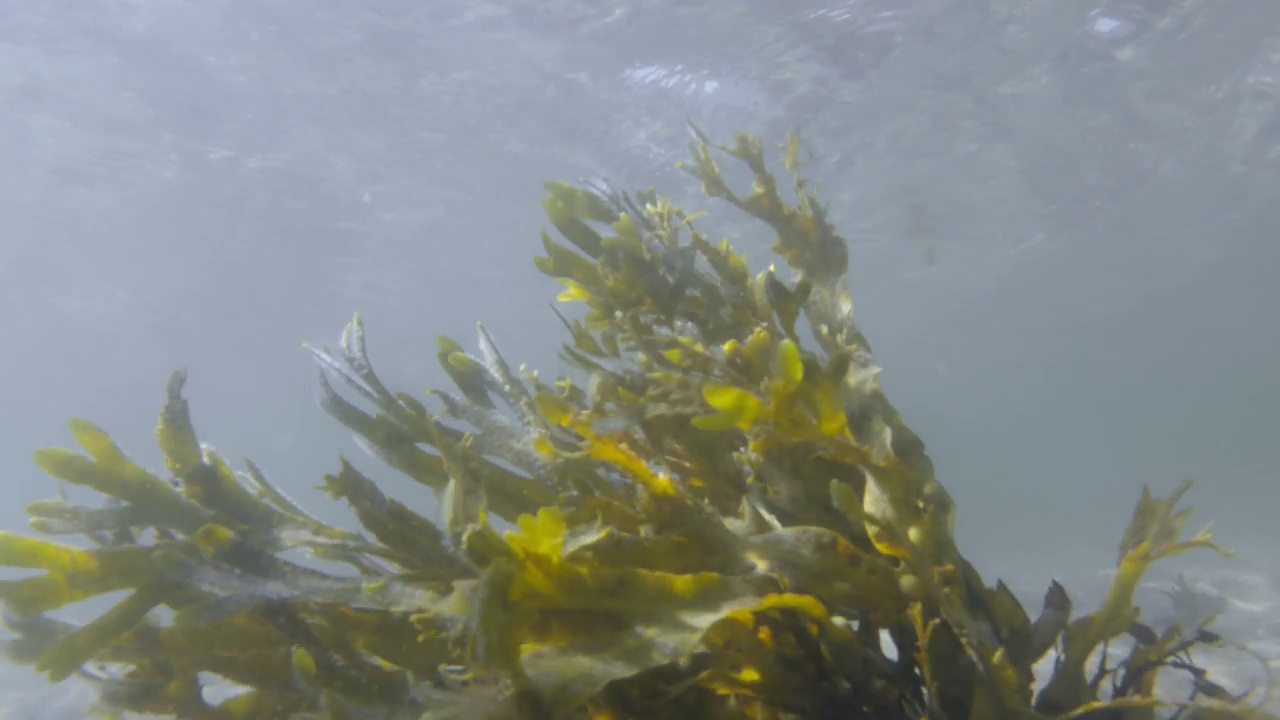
<point x="718" y="514"/>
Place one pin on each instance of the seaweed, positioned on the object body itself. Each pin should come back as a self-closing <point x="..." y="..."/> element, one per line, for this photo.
<point x="716" y="514"/>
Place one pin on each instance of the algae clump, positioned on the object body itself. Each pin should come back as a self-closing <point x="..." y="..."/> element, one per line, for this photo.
<point x="722" y="517"/>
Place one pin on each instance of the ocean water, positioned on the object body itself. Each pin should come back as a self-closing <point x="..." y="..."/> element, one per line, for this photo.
<point x="1061" y="219"/>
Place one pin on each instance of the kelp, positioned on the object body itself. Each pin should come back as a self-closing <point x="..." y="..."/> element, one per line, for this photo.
<point x="716" y="514"/>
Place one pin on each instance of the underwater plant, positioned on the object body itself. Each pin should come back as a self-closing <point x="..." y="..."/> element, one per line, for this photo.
<point x="722" y="516"/>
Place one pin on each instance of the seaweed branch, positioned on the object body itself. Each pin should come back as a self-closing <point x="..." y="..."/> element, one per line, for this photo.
<point x="728" y="519"/>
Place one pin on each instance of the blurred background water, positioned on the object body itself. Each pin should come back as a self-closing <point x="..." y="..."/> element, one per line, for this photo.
<point x="1063" y="219"/>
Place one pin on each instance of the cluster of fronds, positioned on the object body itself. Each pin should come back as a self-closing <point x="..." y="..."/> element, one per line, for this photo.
<point x="727" y="520"/>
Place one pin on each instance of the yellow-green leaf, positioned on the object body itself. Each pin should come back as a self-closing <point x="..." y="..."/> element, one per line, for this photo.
<point x="737" y="408"/>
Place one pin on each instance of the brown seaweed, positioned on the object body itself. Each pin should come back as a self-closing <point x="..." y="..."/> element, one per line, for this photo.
<point x="717" y="514"/>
